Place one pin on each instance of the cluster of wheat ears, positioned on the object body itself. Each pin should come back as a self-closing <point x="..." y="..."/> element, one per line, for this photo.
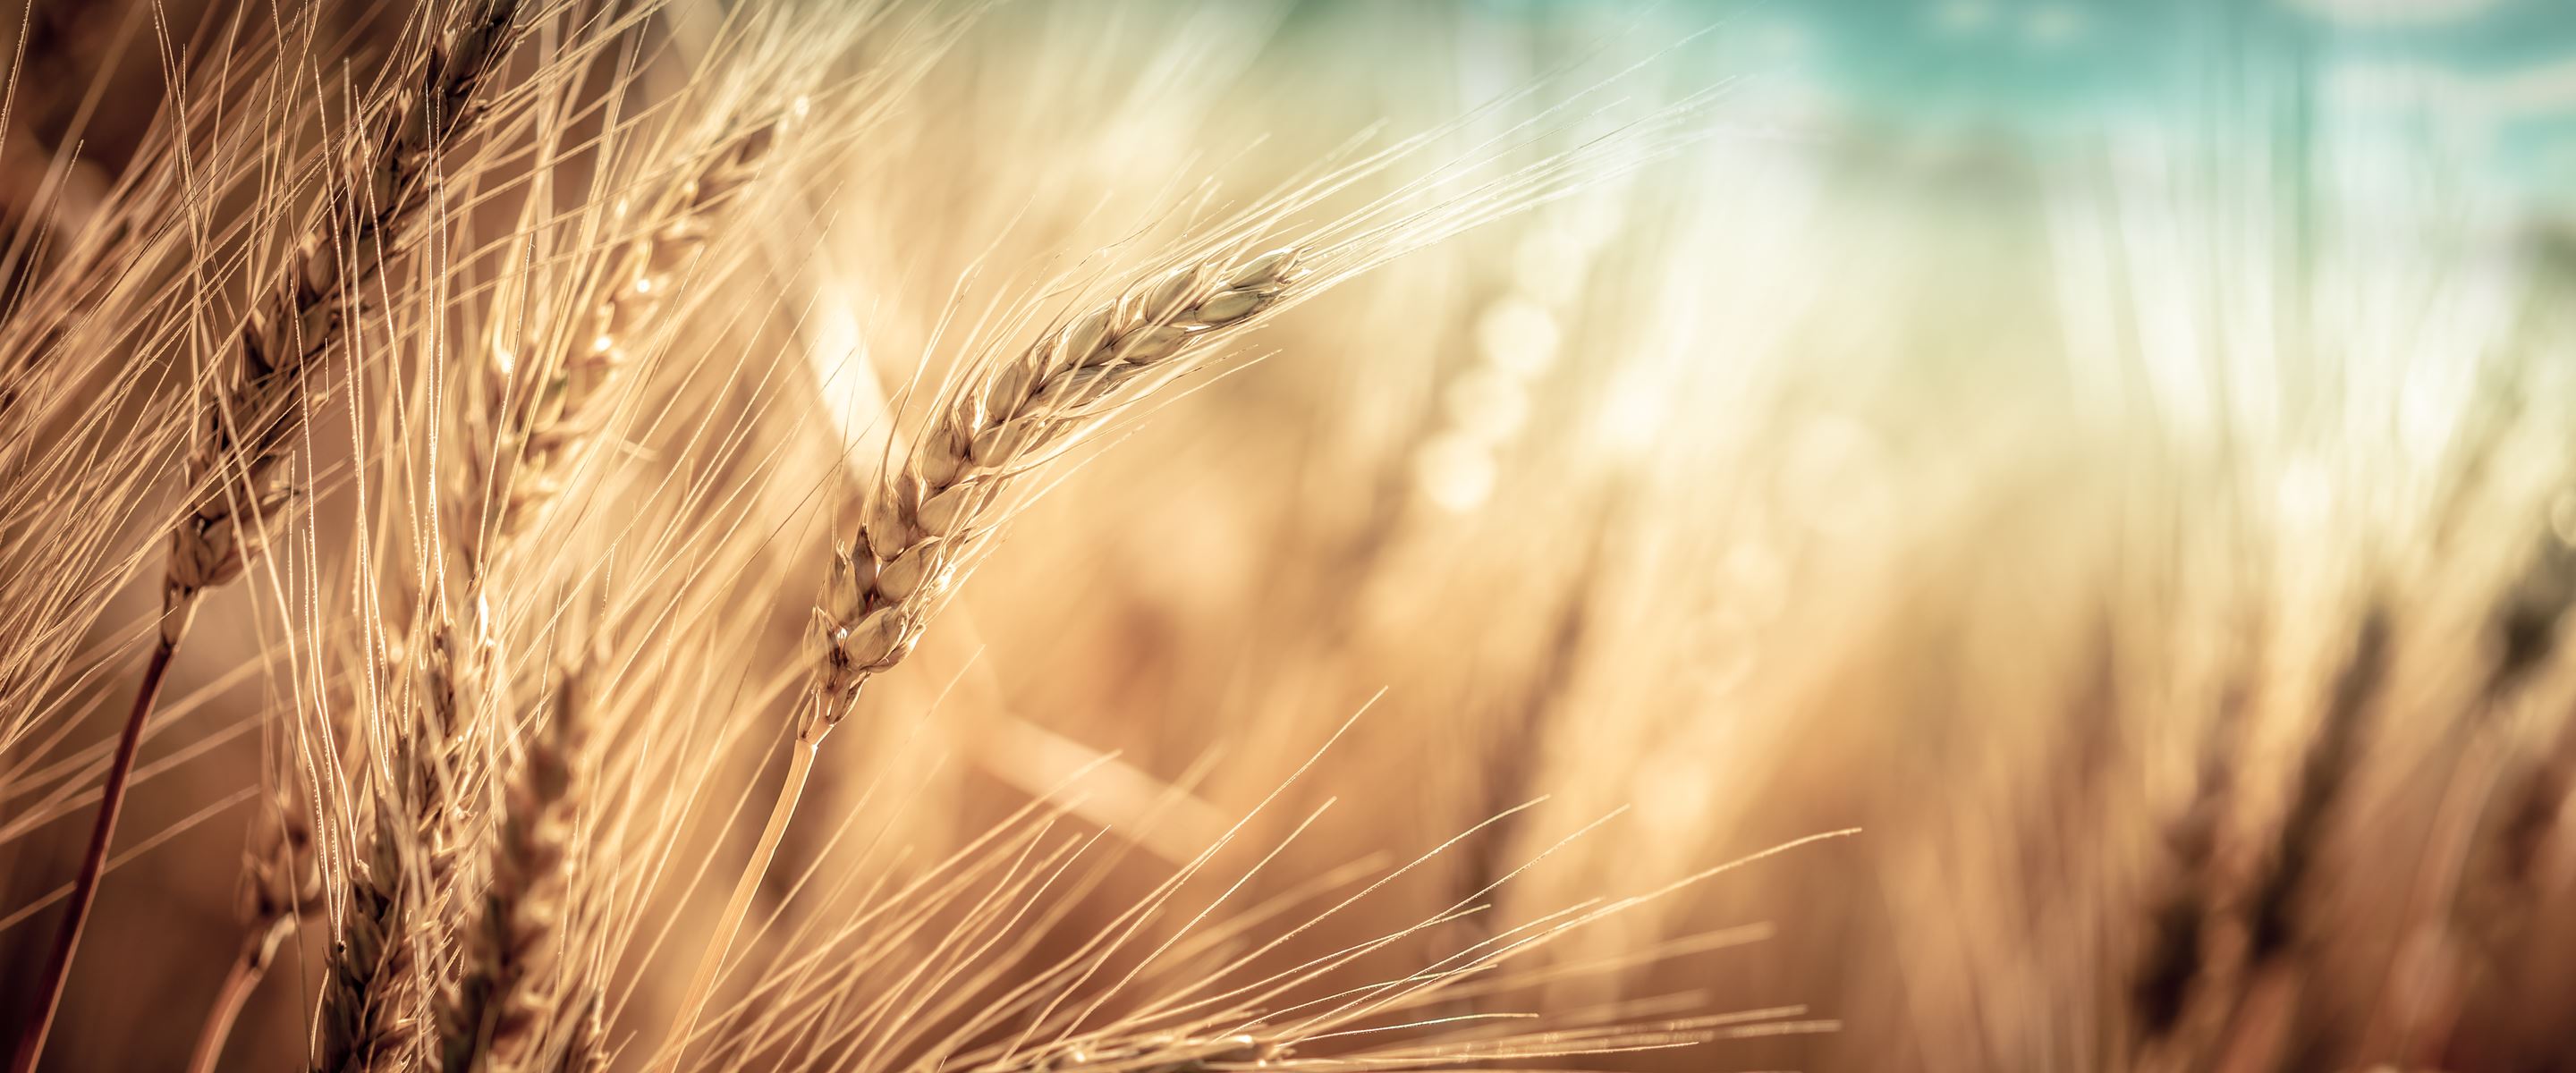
<point x="393" y="312"/>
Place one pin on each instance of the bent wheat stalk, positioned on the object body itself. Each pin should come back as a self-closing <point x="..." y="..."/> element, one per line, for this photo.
<point x="233" y="467"/>
<point x="281" y="880"/>
<point x="942" y="505"/>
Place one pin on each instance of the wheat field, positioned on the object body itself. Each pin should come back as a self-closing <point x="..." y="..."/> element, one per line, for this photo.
<point x="1149" y="536"/>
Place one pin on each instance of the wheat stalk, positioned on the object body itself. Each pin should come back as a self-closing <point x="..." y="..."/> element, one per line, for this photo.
<point x="544" y="435"/>
<point x="487" y="1021"/>
<point x="549" y="432"/>
<point x="243" y="440"/>
<point x="929" y="516"/>
<point x="2275" y="900"/>
<point x="2163" y="982"/>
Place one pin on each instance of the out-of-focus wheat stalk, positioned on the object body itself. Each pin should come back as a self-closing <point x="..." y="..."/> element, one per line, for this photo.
<point x="281" y="880"/>
<point x="584" y="305"/>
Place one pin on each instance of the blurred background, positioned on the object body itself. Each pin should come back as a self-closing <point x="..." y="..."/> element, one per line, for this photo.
<point x="2111" y="453"/>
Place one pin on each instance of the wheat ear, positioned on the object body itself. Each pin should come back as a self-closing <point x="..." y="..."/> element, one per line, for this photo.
<point x="926" y="520"/>
<point x="560" y="420"/>
<point x="368" y="1019"/>
<point x="545" y="434"/>
<point x="492" y="1021"/>
<point x="244" y="436"/>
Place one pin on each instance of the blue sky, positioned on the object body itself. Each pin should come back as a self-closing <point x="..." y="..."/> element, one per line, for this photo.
<point x="2492" y="82"/>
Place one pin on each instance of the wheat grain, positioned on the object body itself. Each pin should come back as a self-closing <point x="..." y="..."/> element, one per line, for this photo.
<point x="489" y="1020"/>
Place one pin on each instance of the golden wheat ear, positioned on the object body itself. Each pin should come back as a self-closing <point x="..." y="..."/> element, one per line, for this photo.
<point x="928" y="517"/>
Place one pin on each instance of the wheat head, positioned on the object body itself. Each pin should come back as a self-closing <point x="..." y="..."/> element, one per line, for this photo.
<point x="243" y="436"/>
<point x="927" y="518"/>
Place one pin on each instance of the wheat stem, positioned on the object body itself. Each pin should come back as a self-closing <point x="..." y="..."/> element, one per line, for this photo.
<point x="927" y="519"/>
<point x="800" y="766"/>
<point x="258" y="952"/>
<point x="58" y="964"/>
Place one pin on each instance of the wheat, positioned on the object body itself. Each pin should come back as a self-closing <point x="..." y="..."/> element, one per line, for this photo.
<point x="243" y="437"/>
<point x="281" y="881"/>
<point x="926" y="519"/>
<point x="551" y="429"/>
<point x="490" y="1020"/>
<point x="475" y="925"/>
<point x="2272" y="916"/>
<point x="545" y="433"/>
<point x="930" y="515"/>
<point x="494" y="1016"/>
<point x="370" y="1016"/>
<point x="2178" y="915"/>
